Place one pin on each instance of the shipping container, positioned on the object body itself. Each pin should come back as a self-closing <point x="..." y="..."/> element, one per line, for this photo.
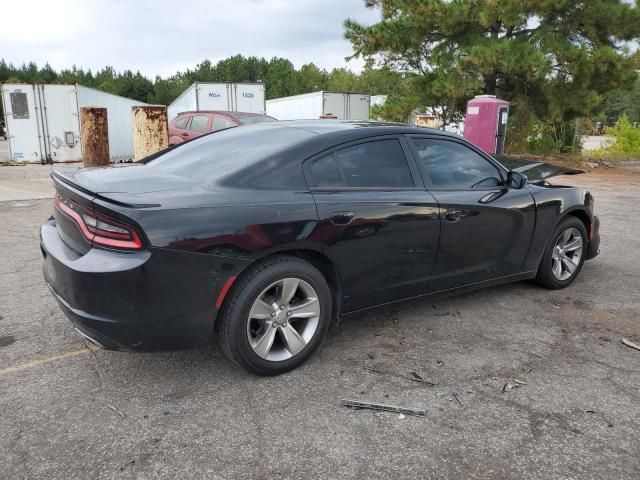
<point x="343" y="106"/>
<point x="228" y="97"/>
<point x="43" y="121"/>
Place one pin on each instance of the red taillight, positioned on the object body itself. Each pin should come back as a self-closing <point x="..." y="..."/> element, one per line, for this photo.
<point x="100" y="229"/>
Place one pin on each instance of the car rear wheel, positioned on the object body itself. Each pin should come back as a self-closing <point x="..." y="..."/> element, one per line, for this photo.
<point x="275" y="316"/>
<point x="565" y="254"/>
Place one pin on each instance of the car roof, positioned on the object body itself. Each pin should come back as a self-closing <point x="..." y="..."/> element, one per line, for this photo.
<point x="225" y="112"/>
<point x="366" y="127"/>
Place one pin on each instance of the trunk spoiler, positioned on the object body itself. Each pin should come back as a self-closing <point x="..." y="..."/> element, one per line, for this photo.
<point x="59" y="176"/>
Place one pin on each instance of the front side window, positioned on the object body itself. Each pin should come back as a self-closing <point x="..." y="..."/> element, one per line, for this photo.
<point x="199" y="123"/>
<point x="376" y="164"/>
<point x="453" y="166"/>
<point x="220" y="123"/>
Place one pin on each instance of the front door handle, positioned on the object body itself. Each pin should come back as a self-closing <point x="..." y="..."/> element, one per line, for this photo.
<point x="341" y="218"/>
<point x="453" y="215"/>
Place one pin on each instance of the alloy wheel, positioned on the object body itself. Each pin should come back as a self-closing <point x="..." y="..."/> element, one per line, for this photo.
<point x="283" y="319"/>
<point x="567" y="254"/>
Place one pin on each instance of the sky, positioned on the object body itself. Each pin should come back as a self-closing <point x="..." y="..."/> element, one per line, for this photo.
<point x="162" y="36"/>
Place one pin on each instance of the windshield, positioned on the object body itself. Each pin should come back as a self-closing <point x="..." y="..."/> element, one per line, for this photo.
<point x="218" y="155"/>
<point x="252" y="119"/>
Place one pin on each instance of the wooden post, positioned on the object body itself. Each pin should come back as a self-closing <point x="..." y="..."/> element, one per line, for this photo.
<point x="95" y="137"/>
<point x="150" y="130"/>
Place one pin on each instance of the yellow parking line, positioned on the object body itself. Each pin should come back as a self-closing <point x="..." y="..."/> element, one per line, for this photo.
<point x="43" y="361"/>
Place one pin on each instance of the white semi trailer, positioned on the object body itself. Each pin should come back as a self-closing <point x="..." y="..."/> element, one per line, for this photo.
<point x="228" y="97"/>
<point x="342" y="106"/>
<point x="43" y="121"/>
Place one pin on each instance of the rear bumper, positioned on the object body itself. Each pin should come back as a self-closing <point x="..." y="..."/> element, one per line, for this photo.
<point x="594" y="243"/>
<point x="151" y="300"/>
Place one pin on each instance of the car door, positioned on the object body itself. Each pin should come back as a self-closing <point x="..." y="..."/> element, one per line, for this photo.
<point x="377" y="222"/>
<point x="486" y="227"/>
<point x="178" y="129"/>
<point x="198" y="125"/>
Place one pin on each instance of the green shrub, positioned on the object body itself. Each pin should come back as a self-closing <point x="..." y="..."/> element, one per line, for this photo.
<point x="627" y="137"/>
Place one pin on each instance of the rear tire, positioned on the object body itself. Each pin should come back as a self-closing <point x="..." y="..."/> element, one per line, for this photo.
<point x="275" y="316"/>
<point x="564" y="255"/>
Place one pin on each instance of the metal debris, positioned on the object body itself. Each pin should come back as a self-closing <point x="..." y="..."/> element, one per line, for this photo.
<point x="416" y="378"/>
<point x="117" y="412"/>
<point x="630" y="344"/>
<point x="402" y="416"/>
<point x="519" y="382"/>
<point x="385" y="408"/>
<point x="509" y="386"/>
<point x="455" y="395"/>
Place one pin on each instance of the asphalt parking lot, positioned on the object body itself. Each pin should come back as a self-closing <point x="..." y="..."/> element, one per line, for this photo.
<point x="69" y="411"/>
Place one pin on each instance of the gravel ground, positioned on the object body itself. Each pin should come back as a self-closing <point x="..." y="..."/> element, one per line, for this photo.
<point x="71" y="412"/>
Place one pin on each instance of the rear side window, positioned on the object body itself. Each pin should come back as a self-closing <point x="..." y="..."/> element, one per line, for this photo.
<point x="453" y="166"/>
<point x="181" y="122"/>
<point x="376" y="164"/>
<point x="324" y="172"/>
<point x="220" y="123"/>
<point x="199" y="123"/>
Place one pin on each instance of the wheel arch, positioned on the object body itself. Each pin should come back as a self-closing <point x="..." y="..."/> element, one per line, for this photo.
<point x="315" y="257"/>
<point x="581" y="214"/>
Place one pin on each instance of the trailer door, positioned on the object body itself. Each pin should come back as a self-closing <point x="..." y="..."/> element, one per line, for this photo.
<point x="23" y="124"/>
<point x="214" y="96"/>
<point x="248" y="98"/>
<point x="335" y="104"/>
<point x="358" y="106"/>
<point x="62" y="122"/>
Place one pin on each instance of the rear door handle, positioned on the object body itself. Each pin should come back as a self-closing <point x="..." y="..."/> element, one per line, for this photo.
<point x="341" y="218"/>
<point x="453" y="215"/>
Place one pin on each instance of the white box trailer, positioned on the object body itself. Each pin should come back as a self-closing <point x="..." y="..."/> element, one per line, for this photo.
<point x="43" y="121"/>
<point x="228" y="97"/>
<point x="344" y="106"/>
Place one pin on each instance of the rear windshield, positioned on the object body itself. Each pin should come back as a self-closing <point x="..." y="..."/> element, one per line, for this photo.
<point x="251" y="119"/>
<point x="228" y="152"/>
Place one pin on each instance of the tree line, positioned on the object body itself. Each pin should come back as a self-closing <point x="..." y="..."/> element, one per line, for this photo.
<point x="279" y="75"/>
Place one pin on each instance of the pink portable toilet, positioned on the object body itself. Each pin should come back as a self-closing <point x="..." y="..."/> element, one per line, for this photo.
<point x="485" y="124"/>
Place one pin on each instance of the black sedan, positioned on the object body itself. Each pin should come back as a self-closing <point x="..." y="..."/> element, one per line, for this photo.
<point x="262" y="235"/>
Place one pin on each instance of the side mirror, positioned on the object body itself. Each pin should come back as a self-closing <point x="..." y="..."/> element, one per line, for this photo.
<point x="516" y="180"/>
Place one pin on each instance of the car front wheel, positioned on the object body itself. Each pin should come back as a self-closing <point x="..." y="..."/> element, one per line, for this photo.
<point x="275" y="316"/>
<point x="564" y="256"/>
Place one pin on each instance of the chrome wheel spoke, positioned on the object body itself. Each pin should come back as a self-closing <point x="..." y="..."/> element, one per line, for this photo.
<point x="569" y="265"/>
<point x="261" y="310"/>
<point x="557" y="268"/>
<point x="566" y="236"/>
<point x="288" y="290"/>
<point x="573" y="245"/>
<point x="264" y="343"/>
<point x="307" y="309"/>
<point x="294" y="341"/>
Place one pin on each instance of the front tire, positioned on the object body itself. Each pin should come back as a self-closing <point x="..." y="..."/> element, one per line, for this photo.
<point x="276" y="315"/>
<point x="564" y="255"/>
